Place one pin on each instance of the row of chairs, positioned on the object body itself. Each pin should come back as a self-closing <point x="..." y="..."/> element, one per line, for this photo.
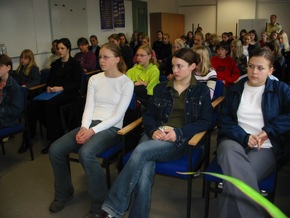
<point x="192" y="161"/>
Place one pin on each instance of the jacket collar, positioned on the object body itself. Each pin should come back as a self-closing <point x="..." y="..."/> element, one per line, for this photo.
<point x="193" y="82"/>
<point x="9" y="81"/>
<point x="239" y="87"/>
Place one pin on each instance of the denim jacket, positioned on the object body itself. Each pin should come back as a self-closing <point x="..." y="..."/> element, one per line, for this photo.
<point x="275" y="109"/>
<point x="197" y="114"/>
<point x="12" y="103"/>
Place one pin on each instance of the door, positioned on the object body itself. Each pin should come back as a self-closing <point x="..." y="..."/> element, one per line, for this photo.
<point x="140" y="20"/>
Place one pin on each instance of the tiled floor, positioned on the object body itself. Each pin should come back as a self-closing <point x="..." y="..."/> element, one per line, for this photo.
<point x="26" y="189"/>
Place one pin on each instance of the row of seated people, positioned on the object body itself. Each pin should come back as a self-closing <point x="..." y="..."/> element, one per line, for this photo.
<point x="108" y="96"/>
<point x="145" y="73"/>
<point x="65" y="74"/>
<point x="162" y="48"/>
<point x="137" y="176"/>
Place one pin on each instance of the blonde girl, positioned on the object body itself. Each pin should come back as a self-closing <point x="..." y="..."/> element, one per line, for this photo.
<point x="27" y="74"/>
<point x="284" y="42"/>
<point x="145" y="40"/>
<point x="145" y="74"/>
<point x="238" y="56"/>
<point x="204" y="71"/>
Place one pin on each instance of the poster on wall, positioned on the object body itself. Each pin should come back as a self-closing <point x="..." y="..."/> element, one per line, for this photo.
<point x="106" y="9"/>
<point x="112" y="13"/>
<point x="119" y="13"/>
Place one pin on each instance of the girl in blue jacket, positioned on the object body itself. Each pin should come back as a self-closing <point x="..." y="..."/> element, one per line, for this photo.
<point x="254" y="116"/>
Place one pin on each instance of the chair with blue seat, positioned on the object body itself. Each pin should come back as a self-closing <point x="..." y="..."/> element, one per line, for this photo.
<point x="19" y="128"/>
<point x="44" y="74"/>
<point x="267" y="186"/>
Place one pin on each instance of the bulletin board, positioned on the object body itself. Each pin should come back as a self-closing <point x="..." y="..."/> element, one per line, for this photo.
<point x="69" y="20"/>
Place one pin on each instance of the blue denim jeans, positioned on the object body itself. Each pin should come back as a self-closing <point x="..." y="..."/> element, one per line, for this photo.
<point x="58" y="154"/>
<point x="137" y="176"/>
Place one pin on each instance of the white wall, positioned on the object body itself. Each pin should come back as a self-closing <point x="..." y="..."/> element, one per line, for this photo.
<point x="165" y="6"/>
<point x="41" y="13"/>
<point x="204" y="16"/>
<point x="229" y="12"/>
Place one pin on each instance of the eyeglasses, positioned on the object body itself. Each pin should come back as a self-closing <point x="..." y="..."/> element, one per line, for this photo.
<point x="105" y="57"/>
<point x="140" y="55"/>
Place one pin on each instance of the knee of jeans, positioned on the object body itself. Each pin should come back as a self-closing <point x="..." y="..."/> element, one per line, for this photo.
<point x="85" y="154"/>
<point x="54" y="150"/>
<point x="138" y="153"/>
<point x="147" y="174"/>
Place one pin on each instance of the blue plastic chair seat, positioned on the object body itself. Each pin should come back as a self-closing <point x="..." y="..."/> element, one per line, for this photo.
<point x="111" y="151"/>
<point x="170" y="168"/>
<point x="4" y="132"/>
<point x="267" y="184"/>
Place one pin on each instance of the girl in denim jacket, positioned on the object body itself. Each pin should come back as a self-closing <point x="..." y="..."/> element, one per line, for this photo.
<point x="176" y="111"/>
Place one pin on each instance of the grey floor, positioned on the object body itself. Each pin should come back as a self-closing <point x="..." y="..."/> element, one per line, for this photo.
<point x="26" y="189"/>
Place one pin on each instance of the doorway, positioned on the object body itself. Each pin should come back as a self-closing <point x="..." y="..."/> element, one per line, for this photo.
<point x="140" y="18"/>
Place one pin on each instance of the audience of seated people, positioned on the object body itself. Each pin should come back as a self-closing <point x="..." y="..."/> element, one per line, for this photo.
<point x="223" y="58"/>
<point x="86" y="57"/>
<point x="27" y="74"/>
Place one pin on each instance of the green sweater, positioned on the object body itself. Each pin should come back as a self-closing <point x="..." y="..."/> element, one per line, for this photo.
<point x="150" y="75"/>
